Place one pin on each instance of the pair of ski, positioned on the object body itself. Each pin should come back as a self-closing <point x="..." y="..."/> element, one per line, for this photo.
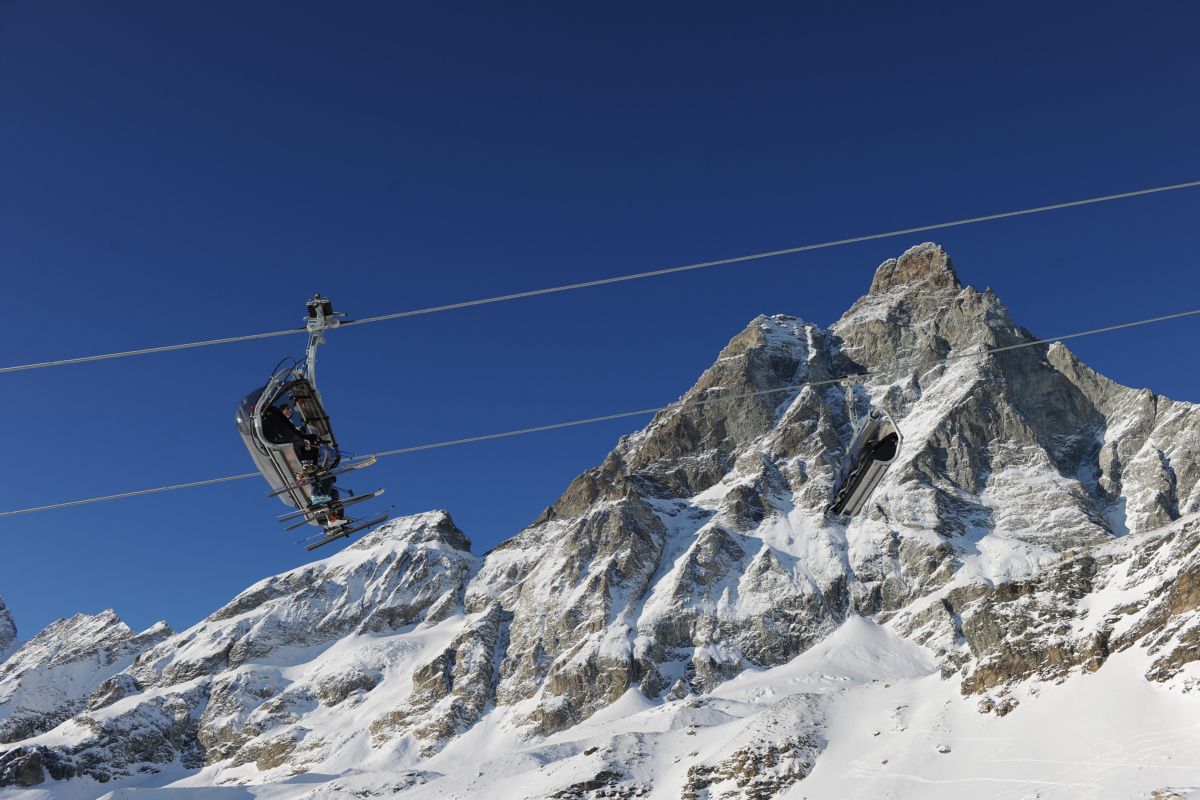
<point x="320" y="476"/>
<point x="304" y="512"/>
<point x="331" y="534"/>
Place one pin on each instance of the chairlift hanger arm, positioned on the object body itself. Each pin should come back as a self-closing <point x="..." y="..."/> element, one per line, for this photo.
<point x="850" y="381"/>
<point x="321" y="317"/>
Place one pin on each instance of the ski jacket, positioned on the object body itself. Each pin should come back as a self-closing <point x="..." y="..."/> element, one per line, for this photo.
<point x="279" y="429"/>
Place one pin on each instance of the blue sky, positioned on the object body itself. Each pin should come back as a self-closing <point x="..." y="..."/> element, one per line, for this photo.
<point x="174" y="172"/>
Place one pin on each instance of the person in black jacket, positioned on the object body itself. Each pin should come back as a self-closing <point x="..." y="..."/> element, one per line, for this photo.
<point x="278" y="428"/>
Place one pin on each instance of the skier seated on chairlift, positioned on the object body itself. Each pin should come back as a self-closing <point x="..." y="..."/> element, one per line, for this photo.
<point x="307" y="452"/>
<point x="279" y="429"/>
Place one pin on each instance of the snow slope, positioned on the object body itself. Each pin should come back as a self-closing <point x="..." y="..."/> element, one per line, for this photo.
<point x="883" y="723"/>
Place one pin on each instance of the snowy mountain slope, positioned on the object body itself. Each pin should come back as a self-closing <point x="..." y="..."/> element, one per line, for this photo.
<point x="51" y="677"/>
<point x="864" y="710"/>
<point x="233" y="688"/>
<point x="684" y="621"/>
<point x="699" y="547"/>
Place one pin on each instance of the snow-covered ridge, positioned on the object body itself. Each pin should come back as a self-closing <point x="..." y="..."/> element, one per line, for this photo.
<point x="311" y="639"/>
<point x="685" y="621"/>
<point x="50" y="677"/>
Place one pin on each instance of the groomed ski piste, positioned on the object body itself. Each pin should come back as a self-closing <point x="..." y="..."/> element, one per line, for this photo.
<point x="863" y="712"/>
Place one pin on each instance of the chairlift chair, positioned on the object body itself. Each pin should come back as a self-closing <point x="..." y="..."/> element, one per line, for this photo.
<point x="875" y="446"/>
<point x="297" y="386"/>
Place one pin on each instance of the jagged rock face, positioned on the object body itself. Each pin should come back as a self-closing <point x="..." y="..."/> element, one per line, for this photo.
<point x="1141" y="590"/>
<point x="8" y="631"/>
<point x="217" y="692"/>
<point x="413" y="571"/>
<point x="1164" y="620"/>
<point x="699" y="546"/>
<point x="50" y="678"/>
<point x="452" y="690"/>
<point x="778" y="749"/>
<point x="922" y="268"/>
<point x="360" y="592"/>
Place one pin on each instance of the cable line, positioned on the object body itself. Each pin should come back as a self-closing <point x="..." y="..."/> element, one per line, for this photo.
<point x="801" y="249"/>
<point x="902" y="367"/>
<point x="130" y="494"/>
<point x="149" y="350"/>
<point x="603" y="281"/>
<point x="874" y="373"/>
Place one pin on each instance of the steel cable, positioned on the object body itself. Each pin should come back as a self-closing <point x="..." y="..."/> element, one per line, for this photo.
<point x="604" y="281"/>
<point x="903" y="367"/>
<point x="131" y="494"/>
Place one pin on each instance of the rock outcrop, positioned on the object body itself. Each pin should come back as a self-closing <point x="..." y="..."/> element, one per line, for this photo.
<point x="452" y="690"/>
<point x="763" y="760"/>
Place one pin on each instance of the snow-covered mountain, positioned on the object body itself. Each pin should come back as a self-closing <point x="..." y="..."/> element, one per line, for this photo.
<point x="1016" y="607"/>
<point x="51" y="677"/>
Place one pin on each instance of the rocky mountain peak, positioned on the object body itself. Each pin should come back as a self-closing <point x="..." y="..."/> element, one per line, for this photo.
<point x="8" y="629"/>
<point x="430" y="528"/>
<point x="926" y="265"/>
<point x="50" y="677"/>
<point x="69" y="640"/>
